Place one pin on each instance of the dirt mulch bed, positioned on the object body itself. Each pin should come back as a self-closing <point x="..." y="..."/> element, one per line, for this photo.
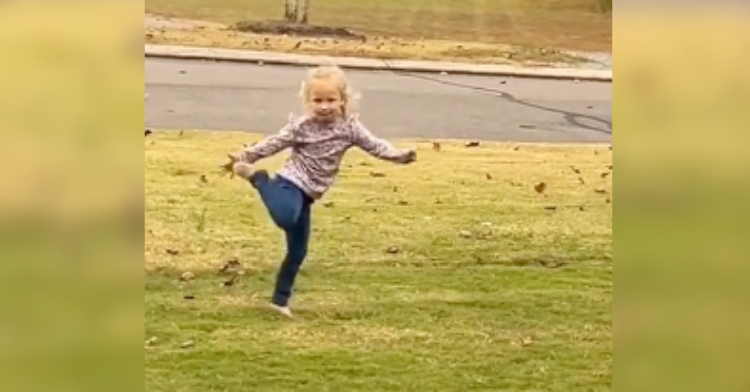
<point x="297" y="30"/>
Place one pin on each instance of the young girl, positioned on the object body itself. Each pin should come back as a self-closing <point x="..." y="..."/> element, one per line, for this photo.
<point x="318" y="141"/>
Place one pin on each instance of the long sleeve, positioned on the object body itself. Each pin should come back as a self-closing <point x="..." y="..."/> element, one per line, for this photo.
<point x="379" y="148"/>
<point x="271" y="145"/>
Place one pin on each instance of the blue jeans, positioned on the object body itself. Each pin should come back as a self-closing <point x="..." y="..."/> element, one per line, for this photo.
<point x="289" y="208"/>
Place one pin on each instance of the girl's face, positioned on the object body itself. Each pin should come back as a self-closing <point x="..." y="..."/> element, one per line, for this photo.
<point x="324" y="100"/>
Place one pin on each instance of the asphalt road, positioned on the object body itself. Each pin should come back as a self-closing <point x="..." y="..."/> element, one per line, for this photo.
<point x="227" y="96"/>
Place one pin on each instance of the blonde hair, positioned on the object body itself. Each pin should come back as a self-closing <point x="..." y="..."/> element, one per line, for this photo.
<point x="336" y="74"/>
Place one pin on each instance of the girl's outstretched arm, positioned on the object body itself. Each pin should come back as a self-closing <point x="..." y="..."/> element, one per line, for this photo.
<point x="379" y="148"/>
<point x="271" y="145"/>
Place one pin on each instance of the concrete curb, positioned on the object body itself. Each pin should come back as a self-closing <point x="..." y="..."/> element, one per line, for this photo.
<point x="275" y="58"/>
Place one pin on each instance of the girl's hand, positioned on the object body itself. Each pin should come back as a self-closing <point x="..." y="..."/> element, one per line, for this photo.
<point x="409" y="157"/>
<point x="229" y="166"/>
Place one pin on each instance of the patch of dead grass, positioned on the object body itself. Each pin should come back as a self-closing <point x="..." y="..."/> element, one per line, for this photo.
<point x="499" y="32"/>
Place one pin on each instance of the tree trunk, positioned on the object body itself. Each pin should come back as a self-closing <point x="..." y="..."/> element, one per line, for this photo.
<point x="290" y="7"/>
<point x="302" y="16"/>
<point x="296" y="11"/>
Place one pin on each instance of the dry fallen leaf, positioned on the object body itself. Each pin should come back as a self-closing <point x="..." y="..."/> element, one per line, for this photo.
<point x="173" y="252"/>
<point x="540" y="187"/>
<point x="204" y="179"/>
<point x="233" y="279"/>
<point x="377" y="174"/>
<point x="605" y="174"/>
<point x="393" y="250"/>
<point x="472" y="144"/>
<point x="601" y="191"/>
<point x="488" y="175"/>
<point x="148" y="132"/>
<point x="436" y="146"/>
<point x="231" y="265"/>
<point x="580" y="179"/>
<point x="328" y="204"/>
<point x="576" y="171"/>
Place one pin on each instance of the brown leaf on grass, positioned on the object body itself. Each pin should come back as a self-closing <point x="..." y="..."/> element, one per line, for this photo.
<point x="524" y="341"/>
<point x="297" y="45"/>
<point x="471" y="144"/>
<point x="148" y="132"/>
<point x="173" y="252"/>
<point x="575" y="170"/>
<point x="540" y="187"/>
<point x="550" y="208"/>
<point x="231" y="265"/>
<point x="328" y="204"/>
<point x="233" y="279"/>
<point x="601" y="191"/>
<point x="436" y="146"/>
<point x="403" y="202"/>
<point x="393" y="250"/>
<point x="204" y="179"/>
<point x="395" y="189"/>
<point x="377" y="174"/>
<point x="605" y="174"/>
<point x="580" y="179"/>
<point x="488" y="176"/>
<point x="608" y="201"/>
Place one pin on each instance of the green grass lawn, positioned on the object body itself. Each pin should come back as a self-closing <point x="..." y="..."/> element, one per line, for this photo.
<point x="490" y="288"/>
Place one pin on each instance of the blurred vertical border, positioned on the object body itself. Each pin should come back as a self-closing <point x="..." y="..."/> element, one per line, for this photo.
<point x="682" y="113"/>
<point x="71" y="197"/>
